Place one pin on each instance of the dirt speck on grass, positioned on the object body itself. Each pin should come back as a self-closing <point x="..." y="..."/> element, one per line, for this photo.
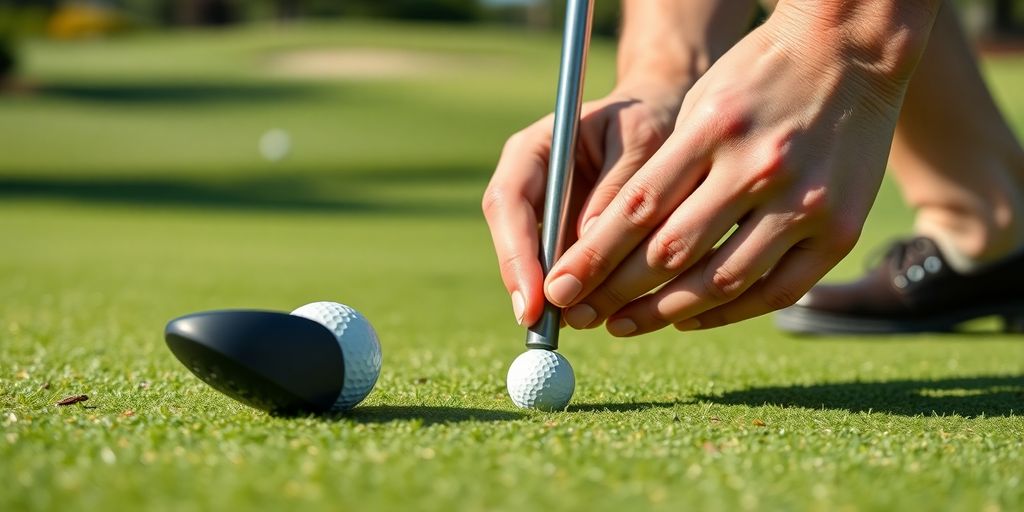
<point x="73" y="399"/>
<point x="354" y="63"/>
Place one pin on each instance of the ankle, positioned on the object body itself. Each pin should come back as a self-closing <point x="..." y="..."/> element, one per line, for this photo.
<point x="973" y="238"/>
<point x="979" y="218"/>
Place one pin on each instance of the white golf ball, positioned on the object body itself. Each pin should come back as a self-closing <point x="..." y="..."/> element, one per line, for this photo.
<point x="541" y="379"/>
<point x="275" y="145"/>
<point x="359" y="346"/>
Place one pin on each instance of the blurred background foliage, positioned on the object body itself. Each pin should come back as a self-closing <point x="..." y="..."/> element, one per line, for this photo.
<point x="988" y="20"/>
<point x="76" y="18"/>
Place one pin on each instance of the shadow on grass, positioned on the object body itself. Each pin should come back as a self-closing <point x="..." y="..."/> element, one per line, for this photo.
<point x="620" y="407"/>
<point x="348" y="192"/>
<point x="175" y="93"/>
<point x="429" y="415"/>
<point x="965" y="396"/>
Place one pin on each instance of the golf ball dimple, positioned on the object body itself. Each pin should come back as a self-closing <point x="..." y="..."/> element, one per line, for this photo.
<point x="359" y="346"/>
<point x="541" y="379"/>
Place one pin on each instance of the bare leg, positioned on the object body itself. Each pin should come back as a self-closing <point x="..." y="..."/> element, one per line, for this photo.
<point x="956" y="159"/>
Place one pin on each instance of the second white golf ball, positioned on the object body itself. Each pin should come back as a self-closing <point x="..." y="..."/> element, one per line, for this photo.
<point x="275" y="145"/>
<point x="541" y="379"/>
<point x="359" y="346"/>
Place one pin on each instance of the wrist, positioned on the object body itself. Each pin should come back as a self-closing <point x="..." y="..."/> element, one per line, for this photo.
<point x="671" y="43"/>
<point x="662" y="71"/>
<point x="664" y="93"/>
<point x="664" y="60"/>
<point x="882" y="38"/>
<point x="654" y="79"/>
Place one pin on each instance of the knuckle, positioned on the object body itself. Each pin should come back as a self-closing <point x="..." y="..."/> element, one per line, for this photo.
<point x="594" y="262"/>
<point x="609" y="298"/>
<point x="511" y="262"/>
<point x="723" y="284"/>
<point x="767" y="174"/>
<point x="514" y="141"/>
<point x="725" y="115"/>
<point x="780" y="296"/>
<point x="770" y="171"/>
<point x="809" y="211"/>
<point x="525" y="138"/>
<point x="639" y="207"/>
<point x="815" y="203"/>
<point x="493" y="200"/>
<point x="668" y="254"/>
<point x="772" y="165"/>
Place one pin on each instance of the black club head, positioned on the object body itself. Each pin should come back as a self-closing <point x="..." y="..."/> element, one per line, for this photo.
<point x="272" y="361"/>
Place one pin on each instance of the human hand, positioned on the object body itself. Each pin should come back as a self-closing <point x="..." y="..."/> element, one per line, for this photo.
<point x="784" y="139"/>
<point x="617" y="134"/>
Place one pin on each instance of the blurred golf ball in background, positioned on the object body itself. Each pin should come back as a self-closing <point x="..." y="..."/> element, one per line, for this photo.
<point x="275" y="145"/>
<point x="541" y="379"/>
<point x="359" y="346"/>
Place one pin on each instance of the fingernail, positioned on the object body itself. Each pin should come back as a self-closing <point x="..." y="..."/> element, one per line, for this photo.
<point x="588" y="224"/>
<point x="580" y="316"/>
<point x="564" y="289"/>
<point x="622" y="327"/>
<point x="518" y="306"/>
<point x="689" y="324"/>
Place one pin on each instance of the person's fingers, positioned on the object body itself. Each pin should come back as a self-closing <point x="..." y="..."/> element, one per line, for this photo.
<point x="626" y="149"/>
<point x="590" y="150"/>
<point x="687" y="235"/>
<point x="613" y="175"/>
<point x="643" y="203"/>
<point x="722" y="276"/>
<point x="800" y="269"/>
<point x="511" y="205"/>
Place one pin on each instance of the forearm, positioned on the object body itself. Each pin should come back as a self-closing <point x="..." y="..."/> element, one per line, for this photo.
<point x="676" y="41"/>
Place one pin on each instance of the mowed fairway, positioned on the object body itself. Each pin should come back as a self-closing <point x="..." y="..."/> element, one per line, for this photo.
<point x="132" y="191"/>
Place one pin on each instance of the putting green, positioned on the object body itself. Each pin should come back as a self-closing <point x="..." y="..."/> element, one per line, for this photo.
<point x="132" y="191"/>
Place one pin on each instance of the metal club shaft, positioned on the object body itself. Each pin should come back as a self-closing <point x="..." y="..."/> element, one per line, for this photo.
<point x="569" y="99"/>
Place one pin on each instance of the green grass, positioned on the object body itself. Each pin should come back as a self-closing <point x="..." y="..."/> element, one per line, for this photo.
<point x="131" y="192"/>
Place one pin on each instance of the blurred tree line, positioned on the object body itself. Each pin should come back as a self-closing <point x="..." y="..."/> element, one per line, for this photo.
<point x="1001" y="15"/>
<point x="989" y="19"/>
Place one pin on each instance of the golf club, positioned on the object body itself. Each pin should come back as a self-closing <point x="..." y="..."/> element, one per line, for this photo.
<point x="569" y="99"/>
<point x="269" y="360"/>
<point x="322" y="357"/>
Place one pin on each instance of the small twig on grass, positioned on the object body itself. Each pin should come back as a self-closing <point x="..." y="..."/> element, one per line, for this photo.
<point x="73" y="399"/>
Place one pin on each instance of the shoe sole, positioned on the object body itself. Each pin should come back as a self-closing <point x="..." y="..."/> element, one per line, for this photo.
<point x="797" y="320"/>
